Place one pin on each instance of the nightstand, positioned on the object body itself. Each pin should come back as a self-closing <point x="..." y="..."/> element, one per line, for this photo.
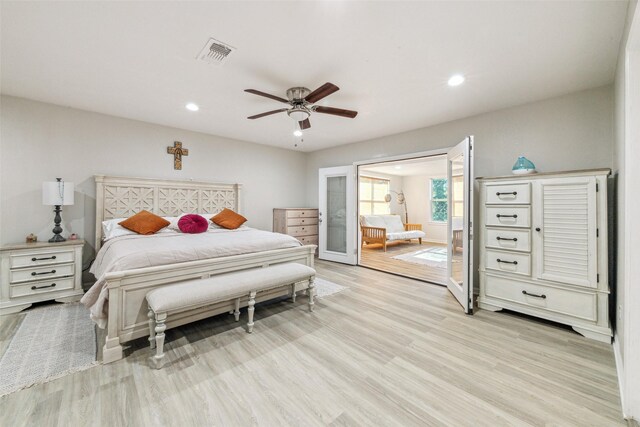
<point x="34" y="272"/>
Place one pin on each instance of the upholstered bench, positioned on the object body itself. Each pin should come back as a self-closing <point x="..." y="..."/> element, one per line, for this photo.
<point x="195" y="294"/>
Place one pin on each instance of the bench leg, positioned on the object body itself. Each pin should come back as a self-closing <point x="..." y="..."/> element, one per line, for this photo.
<point x="158" y="359"/>
<point x="152" y="329"/>
<point x="293" y="293"/>
<point x="312" y="293"/>
<point x="236" y="312"/>
<point x="250" y="310"/>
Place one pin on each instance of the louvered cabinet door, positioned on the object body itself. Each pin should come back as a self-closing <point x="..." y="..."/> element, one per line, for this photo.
<point x="565" y="231"/>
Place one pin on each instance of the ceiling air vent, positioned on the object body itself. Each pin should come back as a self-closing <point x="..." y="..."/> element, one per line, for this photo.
<point x="215" y="52"/>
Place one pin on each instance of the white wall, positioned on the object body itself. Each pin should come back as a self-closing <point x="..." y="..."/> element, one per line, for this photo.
<point x="568" y="132"/>
<point x="417" y="189"/>
<point x="40" y="142"/>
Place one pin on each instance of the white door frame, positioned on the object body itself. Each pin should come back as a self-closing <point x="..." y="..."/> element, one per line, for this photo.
<point x="463" y="292"/>
<point x="399" y="157"/>
<point x="350" y="255"/>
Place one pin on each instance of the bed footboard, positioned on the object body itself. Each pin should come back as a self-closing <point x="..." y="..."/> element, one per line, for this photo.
<point x="128" y="289"/>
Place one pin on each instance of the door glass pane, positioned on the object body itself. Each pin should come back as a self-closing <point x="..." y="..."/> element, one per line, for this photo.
<point x="457" y="218"/>
<point x="337" y="214"/>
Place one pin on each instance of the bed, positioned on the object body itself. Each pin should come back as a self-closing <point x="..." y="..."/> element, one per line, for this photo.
<point x="128" y="267"/>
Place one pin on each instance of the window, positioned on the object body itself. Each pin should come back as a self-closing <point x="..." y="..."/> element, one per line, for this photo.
<point x="439" y="200"/>
<point x="372" y="193"/>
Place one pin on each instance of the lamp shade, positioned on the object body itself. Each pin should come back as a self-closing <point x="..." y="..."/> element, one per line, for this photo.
<point x="57" y="193"/>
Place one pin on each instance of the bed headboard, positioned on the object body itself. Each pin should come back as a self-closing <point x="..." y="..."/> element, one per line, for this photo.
<point x="121" y="197"/>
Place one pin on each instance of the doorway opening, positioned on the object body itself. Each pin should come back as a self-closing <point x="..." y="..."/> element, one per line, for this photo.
<point x="402" y="217"/>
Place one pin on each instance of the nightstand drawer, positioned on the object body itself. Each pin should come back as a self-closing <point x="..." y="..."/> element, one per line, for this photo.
<point x="508" y="262"/>
<point x="42" y="287"/>
<point x="305" y="230"/>
<point x="508" y="194"/>
<point x="301" y="221"/>
<point x="302" y="213"/>
<point x="41" y="273"/>
<point x="41" y="258"/>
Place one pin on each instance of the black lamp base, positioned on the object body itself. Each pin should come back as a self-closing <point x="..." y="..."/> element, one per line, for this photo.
<point x="57" y="238"/>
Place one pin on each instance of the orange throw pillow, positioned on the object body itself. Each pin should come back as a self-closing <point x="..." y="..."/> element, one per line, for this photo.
<point x="229" y="219"/>
<point x="144" y="222"/>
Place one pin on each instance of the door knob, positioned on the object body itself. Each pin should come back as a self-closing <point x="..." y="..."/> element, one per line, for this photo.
<point x="537" y="228"/>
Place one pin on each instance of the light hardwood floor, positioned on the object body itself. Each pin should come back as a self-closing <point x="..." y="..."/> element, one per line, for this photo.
<point x="373" y="256"/>
<point x="387" y="351"/>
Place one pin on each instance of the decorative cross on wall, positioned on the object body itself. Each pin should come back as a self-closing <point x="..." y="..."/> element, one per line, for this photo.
<point x="177" y="152"/>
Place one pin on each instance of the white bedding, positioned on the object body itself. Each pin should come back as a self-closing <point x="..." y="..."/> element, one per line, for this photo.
<point x="136" y="251"/>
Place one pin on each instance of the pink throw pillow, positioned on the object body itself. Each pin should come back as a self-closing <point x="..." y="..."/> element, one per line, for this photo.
<point x="193" y="224"/>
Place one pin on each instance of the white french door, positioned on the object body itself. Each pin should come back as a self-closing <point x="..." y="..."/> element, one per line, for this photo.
<point x="337" y="214"/>
<point x="459" y="224"/>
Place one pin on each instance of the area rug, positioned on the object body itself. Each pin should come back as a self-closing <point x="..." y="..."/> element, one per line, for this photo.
<point x="432" y="257"/>
<point x="50" y="342"/>
<point x="325" y="288"/>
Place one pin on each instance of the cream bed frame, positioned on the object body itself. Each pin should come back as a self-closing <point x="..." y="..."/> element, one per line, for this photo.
<point x="120" y="197"/>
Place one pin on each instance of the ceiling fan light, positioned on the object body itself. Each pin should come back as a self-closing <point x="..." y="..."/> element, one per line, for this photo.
<point x="297" y="132"/>
<point x="298" y="114"/>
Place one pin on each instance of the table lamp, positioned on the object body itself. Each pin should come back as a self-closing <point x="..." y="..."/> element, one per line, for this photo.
<point x="56" y="194"/>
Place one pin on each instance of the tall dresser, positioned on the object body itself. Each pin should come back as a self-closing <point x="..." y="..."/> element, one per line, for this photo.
<point x="301" y="223"/>
<point x="543" y="248"/>
<point x="34" y="272"/>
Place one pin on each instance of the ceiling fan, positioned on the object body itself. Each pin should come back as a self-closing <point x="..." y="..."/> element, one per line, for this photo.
<point x="300" y="100"/>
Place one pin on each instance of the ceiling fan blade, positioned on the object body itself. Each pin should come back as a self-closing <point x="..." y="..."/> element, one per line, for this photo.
<point x="323" y="91"/>
<point x="336" y="112"/>
<point x="304" y="124"/>
<point x="266" y="95"/>
<point x="268" y="113"/>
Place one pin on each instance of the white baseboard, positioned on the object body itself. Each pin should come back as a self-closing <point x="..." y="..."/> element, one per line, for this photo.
<point x="620" y="371"/>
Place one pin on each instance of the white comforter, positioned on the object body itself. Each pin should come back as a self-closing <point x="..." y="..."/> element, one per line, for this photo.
<point x="136" y="251"/>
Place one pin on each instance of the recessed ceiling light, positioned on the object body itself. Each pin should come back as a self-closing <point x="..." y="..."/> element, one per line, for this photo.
<point x="297" y="132"/>
<point x="398" y="167"/>
<point x="456" y="80"/>
<point x="192" y="107"/>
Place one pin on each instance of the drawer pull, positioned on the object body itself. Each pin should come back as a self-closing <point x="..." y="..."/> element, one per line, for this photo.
<point x="506" y="216"/>
<point x="515" y="193"/>
<point x="46" y="272"/>
<point x="543" y="296"/>
<point x="507" y="262"/>
<point x="53" y="285"/>
<point x="515" y="239"/>
<point x="43" y="259"/>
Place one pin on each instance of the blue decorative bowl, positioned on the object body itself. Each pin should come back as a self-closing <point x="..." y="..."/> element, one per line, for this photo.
<point x="523" y="166"/>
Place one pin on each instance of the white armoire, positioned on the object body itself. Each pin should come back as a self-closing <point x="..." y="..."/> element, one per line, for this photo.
<point x="543" y="248"/>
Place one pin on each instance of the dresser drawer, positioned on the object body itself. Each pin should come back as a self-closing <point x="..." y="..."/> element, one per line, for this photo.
<point x="41" y="273"/>
<point x="41" y="287"/>
<point x="302" y="213"/>
<point x="308" y="240"/>
<point x="508" y="216"/>
<point x="582" y="305"/>
<point x="301" y="221"/>
<point x="505" y="238"/>
<point x="508" y="262"/>
<point x="40" y="258"/>
<point x="304" y="230"/>
<point x="508" y="194"/>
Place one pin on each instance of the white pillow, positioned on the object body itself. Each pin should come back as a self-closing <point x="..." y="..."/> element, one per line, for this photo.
<point x="111" y="228"/>
<point x="374" y="221"/>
